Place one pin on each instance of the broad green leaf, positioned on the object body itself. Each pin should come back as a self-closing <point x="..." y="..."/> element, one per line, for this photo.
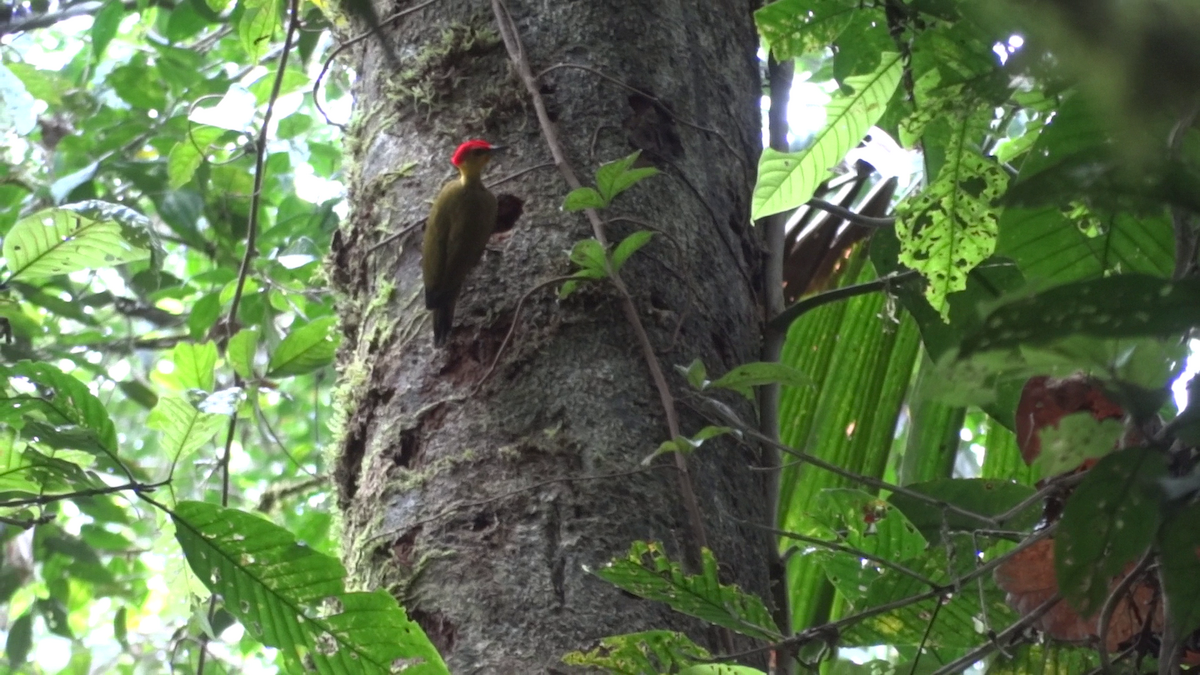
<point x="20" y="639"/>
<point x="184" y="428"/>
<point x="195" y="365"/>
<point x="1128" y="305"/>
<point x="189" y="153"/>
<point x="241" y="350"/>
<point x="648" y="573"/>
<point x="950" y="227"/>
<point x="653" y="651"/>
<point x="748" y="375"/>
<point x="795" y="28"/>
<point x="787" y="180"/>
<point x="984" y="496"/>
<point x="305" y="349"/>
<point x="64" y="402"/>
<point x="1108" y="521"/>
<point x="1179" y="551"/>
<point x="258" y="26"/>
<point x="1054" y="245"/>
<point x="293" y="598"/>
<point x="628" y="246"/>
<point x="1077" y="438"/>
<point x="66" y="239"/>
<point x="105" y="25"/>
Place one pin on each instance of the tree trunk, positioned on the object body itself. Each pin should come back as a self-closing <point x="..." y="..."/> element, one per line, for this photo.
<point x="482" y="508"/>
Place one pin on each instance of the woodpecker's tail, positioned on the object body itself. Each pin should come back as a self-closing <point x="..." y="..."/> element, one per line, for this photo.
<point x="443" y="321"/>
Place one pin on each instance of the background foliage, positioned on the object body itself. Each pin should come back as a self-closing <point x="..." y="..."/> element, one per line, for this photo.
<point x="1037" y="222"/>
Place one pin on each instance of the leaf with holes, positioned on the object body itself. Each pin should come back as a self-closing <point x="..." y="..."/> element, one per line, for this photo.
<point x="648" y="573"/>
<point x="797" y="27"/>
<point x="787" y="180"/>
<point x="87" y="235"/>
<point x="305" y="349"/>
<point x="1107" y="522"/>
<point x="951" y="226"/>
<point x="1075" y="439"/>
<point x="293" y="598"/>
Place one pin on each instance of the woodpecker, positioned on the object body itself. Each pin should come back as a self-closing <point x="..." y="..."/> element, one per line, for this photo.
<point x="461" y="220"/>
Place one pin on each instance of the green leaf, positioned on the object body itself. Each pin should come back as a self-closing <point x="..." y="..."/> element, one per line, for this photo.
<point x="293" y="598"/>
<point x="87" y="235"/>
<point x="720" y="669"/>
<point x="1107" y="522"/>
<point x="20" y="639"/>
<point x="696" y="374"/>
<point x="195" y="365"/>
<point x="1128" y="305"/>
<point x="951" y="226"/>
<point x="63" y="402"/>
<point x="257" y="27"/>
<point x="189" y="153"/>
<point x="591" y="257"/>
<point x="305" y="349"/>
<point x="648" y="573"/>
<point x="686" y="445"/>
<point x="583" y="198"/>
<point x="628" y="246"/>
<point x="653" y="651"/>
<point x="105" y="25"/>
<point x="616" y="177"/>
<point x="1045" y="659"/>
<point x="985" y="496"/>
<point x="787" y="180"/>
<point x="795" y="28"/>
<point x="1179" y="553"/>
<point x="1077" y="438"/>
<point x="748" y="375"/>
<point x="241" y="350"/>
<point x="184" y="428"/>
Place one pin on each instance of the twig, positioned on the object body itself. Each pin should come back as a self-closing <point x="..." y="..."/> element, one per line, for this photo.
<point x="518" y="174"/>
<point x="348" y="44"/>
<point x="842" y="548"/>
<point x="733" y="421"/>
<point x="1110" y="606"/>
<point x="1005" y="636"/>
<point x="774" y="234"/>
<point x="516" y="53"/>
<point x="513" y="327"/>
<point x="798" y="309"/>
<point x="42" y="500"/>
<point x="389" y="239"/>
<point x="846" y="214"/>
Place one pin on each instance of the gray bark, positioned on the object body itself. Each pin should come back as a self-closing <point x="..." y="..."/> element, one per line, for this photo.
<point x="474" y="506"/>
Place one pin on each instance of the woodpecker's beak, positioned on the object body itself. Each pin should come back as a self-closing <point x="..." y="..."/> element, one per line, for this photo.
<point x="498" y="148"/>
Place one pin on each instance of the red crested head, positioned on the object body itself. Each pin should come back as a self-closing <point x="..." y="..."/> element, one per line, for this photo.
<point x="467" y="148"/>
